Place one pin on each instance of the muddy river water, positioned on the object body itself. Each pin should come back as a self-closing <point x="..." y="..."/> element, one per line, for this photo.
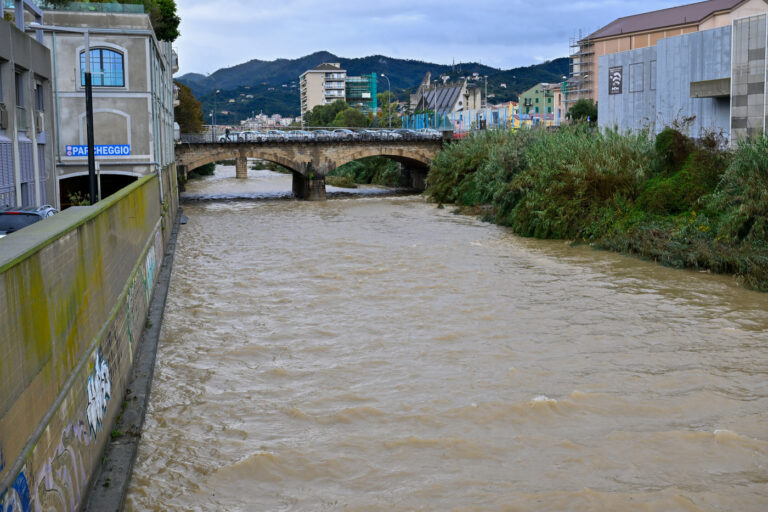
<point x="377" y="353"/>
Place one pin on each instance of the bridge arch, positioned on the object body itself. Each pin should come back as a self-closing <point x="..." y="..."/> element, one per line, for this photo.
<point x="416" y="159"/>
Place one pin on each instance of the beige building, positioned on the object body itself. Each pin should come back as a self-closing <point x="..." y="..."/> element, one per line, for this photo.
<point x="644" y="30"/>
<point x="322" y="85"/>
<point x="133" y="98"/>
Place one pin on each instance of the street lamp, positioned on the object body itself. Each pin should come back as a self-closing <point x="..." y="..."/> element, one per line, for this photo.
<point x="88" y="100"/>
<point x="389" y="100"/>
<point x="215" y="96"/>
<point x="436" y="123"/>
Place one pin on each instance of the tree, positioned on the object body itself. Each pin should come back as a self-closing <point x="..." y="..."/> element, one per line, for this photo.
<point x="389" y="103"/>
<point x="189" y="113"/>
<point x="351" y="118"/>
<point x="324" y="115"/>
<point x="583" y="110"/>
<point x="164" y="19"/>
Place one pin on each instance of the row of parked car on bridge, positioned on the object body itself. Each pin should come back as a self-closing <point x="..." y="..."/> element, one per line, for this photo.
<point x="339" y="134"/>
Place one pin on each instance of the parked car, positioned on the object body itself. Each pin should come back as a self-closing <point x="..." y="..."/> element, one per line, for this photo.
<point x="275" y="135"/>
<point x="407" y="133"/>
<point x="390" y="135"/>
<point x="302" y="135"/>
<point x="322" y="135"/>
<point x="232" y="137"/>
<point x="429" y="133"/>
<point x="251" y="136"/>
<point x="13" y="219"/>
<point x="345" y="134"/>
<point x="368" y="134"/>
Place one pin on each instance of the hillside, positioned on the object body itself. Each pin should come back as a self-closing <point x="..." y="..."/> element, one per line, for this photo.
<point x="273" y="85"/>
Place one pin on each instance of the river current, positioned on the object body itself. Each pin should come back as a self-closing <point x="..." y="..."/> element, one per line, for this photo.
<point x="376" y="353"/>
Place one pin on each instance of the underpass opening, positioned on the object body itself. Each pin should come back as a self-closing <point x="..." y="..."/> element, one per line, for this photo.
<point x="74" y="189"/>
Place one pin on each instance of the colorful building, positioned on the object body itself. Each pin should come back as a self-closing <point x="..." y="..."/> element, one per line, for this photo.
<point x="539" y="99"/>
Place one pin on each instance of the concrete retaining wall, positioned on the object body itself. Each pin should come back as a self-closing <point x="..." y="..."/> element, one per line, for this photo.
<point x="74" y="294"/>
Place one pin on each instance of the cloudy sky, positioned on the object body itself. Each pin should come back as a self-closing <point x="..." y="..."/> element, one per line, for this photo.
<point x="499" y="33"/>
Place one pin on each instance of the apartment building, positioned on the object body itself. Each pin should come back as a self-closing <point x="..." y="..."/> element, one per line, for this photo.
<point x="646" y="30"/>
<point x="26" y="126"/>
<point x="321" y="85"/>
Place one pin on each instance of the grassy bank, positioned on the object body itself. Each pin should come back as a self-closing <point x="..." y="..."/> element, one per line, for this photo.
<point x="682" y="203"/>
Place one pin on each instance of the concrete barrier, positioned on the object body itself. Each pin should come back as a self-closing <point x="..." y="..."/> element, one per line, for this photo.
<point x="74" y="294"/>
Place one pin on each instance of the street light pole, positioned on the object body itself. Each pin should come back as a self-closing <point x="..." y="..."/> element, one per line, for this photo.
<point x="215" y="96"/>
<point x="389" y="101"/>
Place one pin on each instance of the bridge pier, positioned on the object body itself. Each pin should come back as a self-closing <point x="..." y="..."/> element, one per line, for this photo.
<point x="241" y="168"/>
<point x="309" y="188"/>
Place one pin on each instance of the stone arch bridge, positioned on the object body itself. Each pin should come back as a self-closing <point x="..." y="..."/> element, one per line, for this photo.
<point x="310" y="161"/>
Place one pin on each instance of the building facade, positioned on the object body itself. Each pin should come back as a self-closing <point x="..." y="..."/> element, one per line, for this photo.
<point x="644" y="31"/>
<point x="321" y="85"/>
<point x="446" y="97"/>
<point x="539" y="99"/>
<point x="133" y="97"/>
<point x="710" y="80"/>
<point x="27" y="139"/>
<point x="361" y="92"/>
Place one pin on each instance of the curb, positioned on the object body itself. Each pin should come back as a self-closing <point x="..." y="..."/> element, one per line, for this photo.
<point x="110" y="483"/>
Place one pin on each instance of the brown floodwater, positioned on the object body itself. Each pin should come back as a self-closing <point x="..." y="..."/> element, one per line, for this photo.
<point x="377" y="353"/>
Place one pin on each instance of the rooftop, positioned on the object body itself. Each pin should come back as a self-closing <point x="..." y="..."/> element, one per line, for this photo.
<point x="682" y="15"/>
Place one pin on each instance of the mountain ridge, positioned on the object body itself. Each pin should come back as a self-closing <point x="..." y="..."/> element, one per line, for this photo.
<point x="273" y="85"/>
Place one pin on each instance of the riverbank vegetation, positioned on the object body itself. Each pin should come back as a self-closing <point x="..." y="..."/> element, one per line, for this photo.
<point x="683" y="203"/>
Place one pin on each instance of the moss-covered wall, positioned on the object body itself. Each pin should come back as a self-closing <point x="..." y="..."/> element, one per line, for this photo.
<point x="74" y="294"/>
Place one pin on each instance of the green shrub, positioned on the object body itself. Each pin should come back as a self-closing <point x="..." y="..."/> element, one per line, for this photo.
<point x="682" y="190"/>
<point x="573" y="176"/>
<point x="742" y="194"/>
<point x="374" y="170"/>
<point x="672" y="150"/>
<point x="340" y="181"/>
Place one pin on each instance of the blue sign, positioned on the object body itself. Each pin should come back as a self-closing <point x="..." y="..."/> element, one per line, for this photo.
<point x="100" y="150"/>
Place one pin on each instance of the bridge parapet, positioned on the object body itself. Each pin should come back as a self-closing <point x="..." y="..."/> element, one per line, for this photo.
<point x="310" y="161"/>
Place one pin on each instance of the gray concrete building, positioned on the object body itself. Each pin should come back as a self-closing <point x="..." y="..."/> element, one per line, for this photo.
<point x="133" y="97"/>
<point x="26" y="125"/>
<point x="711" y="80"/>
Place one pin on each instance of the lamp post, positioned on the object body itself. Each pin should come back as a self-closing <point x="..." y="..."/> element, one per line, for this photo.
<point x="215" y="96"/>
<point x="436" y="127"/>
<point x="389" y="101"/>
<point x="88" y="100"/>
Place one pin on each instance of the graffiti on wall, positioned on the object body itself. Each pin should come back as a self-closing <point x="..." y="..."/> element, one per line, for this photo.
<point x="62" y="480"/>
<point x="17" y="498"/>
<point x="150" y="265"/>
<point x="99" y="390"/>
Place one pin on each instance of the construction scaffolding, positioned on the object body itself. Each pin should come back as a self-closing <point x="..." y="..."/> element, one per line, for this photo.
<point x="361" y="92"/>
<point x="583" y="65"/>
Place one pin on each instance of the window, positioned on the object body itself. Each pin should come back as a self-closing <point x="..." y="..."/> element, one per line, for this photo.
<point x="537" y="109"/>
<point x="19" y="89"/>
<point x="549" y="110"/>
<point x="549" y="100"/>
<point x="106" y="68"/>
<point x="537" y="100"/>
<point x="1" y="81"/>
<point x="39" y="97"/>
